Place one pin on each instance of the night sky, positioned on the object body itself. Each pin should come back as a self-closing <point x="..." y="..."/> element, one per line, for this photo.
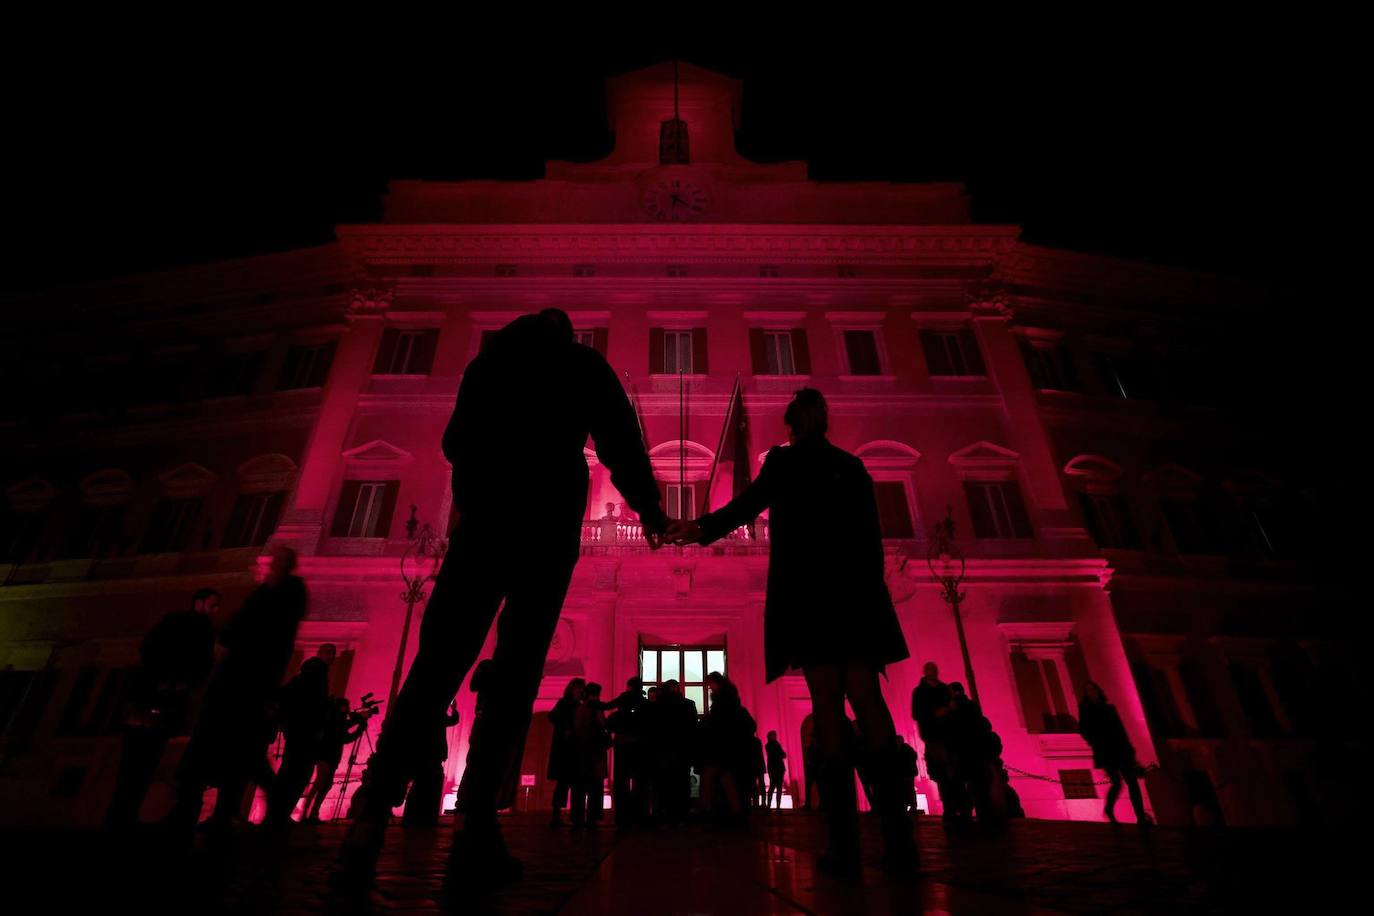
<point x="1195" y="149"/>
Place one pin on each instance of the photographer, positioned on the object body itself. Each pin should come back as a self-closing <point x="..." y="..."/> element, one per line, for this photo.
<point x="342" y="728"/>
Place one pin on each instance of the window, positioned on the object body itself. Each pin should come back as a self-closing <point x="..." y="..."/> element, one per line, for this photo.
<point x="688" y="665"/>
<point x="677" y="270"/>
<point x="234" y="374"/>
<point x="594" y="338"/>
<point x="1108" y="520"/>
<point x="779" y="352"/>
<point x="306" y="366"/>
<point x="172" y="525"/>
<point x="1161" y="705"/>
<point x="253" y="519"/>
<point x="894" y="513"/>
<point x="1077" y="783"/>
<point x="24" y="696"/>
<point x="1189" y="530"/>
<point x="19" y="534"/>
<point x="505" y="270"/>
<point x="95" y="532"/>
<point x="862" y="349"/>
<point x="768" y="271"/>
<point x="846" y="272"/>
<point x="584" y="270"/>
<point x="997" y="509"/>
<point x="952" y="353"/>
<point x="681" y="501"/>
<point x="406" y="352"/>
<point x="671" y="349"/>
<point x="1255" y="700"/>
<point x="1050" y="367"/>
<point x="365" y="509"/>
<point x="1044" y="691"/>
<point x="74" y="712"/>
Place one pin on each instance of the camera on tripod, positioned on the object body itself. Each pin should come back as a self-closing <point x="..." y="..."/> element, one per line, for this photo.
<point x="368" y="707"/>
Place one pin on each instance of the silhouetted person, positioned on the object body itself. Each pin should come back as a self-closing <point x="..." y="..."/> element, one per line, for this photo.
<point x="626" y="724"/>
<point x="1102" y="728"/>
<point x="175" y="656"/>
<point x="228" y="746"/>
<point x="526" y="406"/>
<point x="726" y="743"/>
<point x="932" y="707"/>
<point x="563" y="747"/>
<point x="304" y="708"/>
<point x="673" y="744"/>
<point x="777" y="770"/>
<point x="341" y="729"/>
<point x="828" y="612"/>
<point x="426" y="795"/>
<point x="589" y="743"/>
<point x="758" y="766"/>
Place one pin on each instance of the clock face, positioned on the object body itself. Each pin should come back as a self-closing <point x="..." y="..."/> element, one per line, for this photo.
<point x="673" y="198"/>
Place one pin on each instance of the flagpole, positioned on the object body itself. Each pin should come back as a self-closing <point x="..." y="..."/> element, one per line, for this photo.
<point x="681" y="436"/>
<point x="720" y="446"/>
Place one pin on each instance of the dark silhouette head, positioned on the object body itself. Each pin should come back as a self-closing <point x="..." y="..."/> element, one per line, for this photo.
<point x="773" y="737"/>
<point x="634" y="685"/>
<point x="327" y="652"/>
<point x="559" y="321"/>
<point x="653" y="695"/>
<point x="931" y="671"/>
<point x="807" y="415"/>
<point x="593" y="690"/>
<point x="956" y="688"/>
<point x="574" y="689"/>
<point x="283" y="563"/>
<point x="1093" y="691"/>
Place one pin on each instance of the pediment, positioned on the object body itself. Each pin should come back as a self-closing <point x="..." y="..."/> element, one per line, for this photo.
<point x="187" y="480"/>
<point x="267" y="473"/>
<point x="379" y="451"/>
<point x="30" y="495"/>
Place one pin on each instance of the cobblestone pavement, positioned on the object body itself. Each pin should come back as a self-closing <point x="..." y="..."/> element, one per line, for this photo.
<point x="1032" y="867"/>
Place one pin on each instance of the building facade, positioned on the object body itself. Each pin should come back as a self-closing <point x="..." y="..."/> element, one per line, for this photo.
<point x="1115" y="525"/>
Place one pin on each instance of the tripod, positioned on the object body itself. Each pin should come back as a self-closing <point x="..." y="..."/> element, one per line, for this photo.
<point x="352" y="760"/>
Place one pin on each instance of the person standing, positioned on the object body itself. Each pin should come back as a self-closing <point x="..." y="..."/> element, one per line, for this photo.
<point x="176" y="656"/>
<point x="229" y="742"/>
<point x="563" y="748"/>
<point x="932" y="707"/>
<point x="589" y="743"/>
<point x="1101" y="726"/>
<point x="777" y="769"/>
<point x="827" y="612"/>
<point x="426" y="793"/>
<point x="304" y="710"/>
<point x="525" y="409"/>
<point x="342" y="728"/>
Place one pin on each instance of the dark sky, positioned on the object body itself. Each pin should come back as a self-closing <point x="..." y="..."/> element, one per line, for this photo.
<point x="1202" y="150"/>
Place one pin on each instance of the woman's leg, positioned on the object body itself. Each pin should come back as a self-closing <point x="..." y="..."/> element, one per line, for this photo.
<point x="835" y="771"/>
<point x="1113" y="794"/>
<point x="880" y="745"/>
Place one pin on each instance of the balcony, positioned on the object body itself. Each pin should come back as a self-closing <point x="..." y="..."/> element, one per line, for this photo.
<point x="611" y="536"/>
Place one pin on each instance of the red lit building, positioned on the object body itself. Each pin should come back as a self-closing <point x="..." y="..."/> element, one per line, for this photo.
<point x="1116" y="527"/>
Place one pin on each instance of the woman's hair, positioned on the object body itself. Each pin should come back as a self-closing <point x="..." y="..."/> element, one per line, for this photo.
<point x="807" y="414"/>
<point x="575" y="684"/>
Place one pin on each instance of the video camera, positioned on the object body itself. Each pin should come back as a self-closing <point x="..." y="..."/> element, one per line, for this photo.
<point x="368" y="706"/>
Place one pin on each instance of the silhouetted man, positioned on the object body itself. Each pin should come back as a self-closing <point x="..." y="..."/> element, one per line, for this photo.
<point x="305" y="708"/>
<point x="777" y="769"/>
<point x="525" y="408"/>
<point x="626" y="723"/>
<point x="230" y="740"/>
<point x="176" y="656"/>
<point x="932" y="706"/>
<point x="342" y="728"/>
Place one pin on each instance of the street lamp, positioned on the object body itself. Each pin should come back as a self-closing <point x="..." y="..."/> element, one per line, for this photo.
<point x="947" y="566"/>
<point x="419" y="566"/>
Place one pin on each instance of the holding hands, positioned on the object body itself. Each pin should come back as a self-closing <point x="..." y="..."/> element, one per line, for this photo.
<point x="682" y="531"/>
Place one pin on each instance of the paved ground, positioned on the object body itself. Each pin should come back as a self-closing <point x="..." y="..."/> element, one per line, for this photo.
<point x="1033" y="867"/>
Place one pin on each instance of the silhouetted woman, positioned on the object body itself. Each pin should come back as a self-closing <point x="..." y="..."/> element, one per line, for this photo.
<point x="726" y="744"/>
<point x="1101" y="727"/>
<point x="563" y="750"/>
<point x="828" y="612"/>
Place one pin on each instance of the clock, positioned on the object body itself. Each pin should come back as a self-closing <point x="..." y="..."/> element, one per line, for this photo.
<point x="675" y="195"/>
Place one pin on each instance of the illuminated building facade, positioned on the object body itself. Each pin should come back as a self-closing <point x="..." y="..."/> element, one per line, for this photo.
<point x="1055" y="402"/>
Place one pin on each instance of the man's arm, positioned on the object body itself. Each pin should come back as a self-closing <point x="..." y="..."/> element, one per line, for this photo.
<point x="620" y="446"/>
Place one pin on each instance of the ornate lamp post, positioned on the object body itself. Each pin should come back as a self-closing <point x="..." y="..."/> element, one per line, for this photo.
<point x="419" y="566"/>
<point x="947" y="566"/>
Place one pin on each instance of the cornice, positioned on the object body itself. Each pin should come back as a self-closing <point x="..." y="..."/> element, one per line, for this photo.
<point x="431" y="244"/>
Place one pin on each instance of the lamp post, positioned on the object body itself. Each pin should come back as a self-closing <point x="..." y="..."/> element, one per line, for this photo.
<point x="419" y="566"/>
<point x="947" y="566"/>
